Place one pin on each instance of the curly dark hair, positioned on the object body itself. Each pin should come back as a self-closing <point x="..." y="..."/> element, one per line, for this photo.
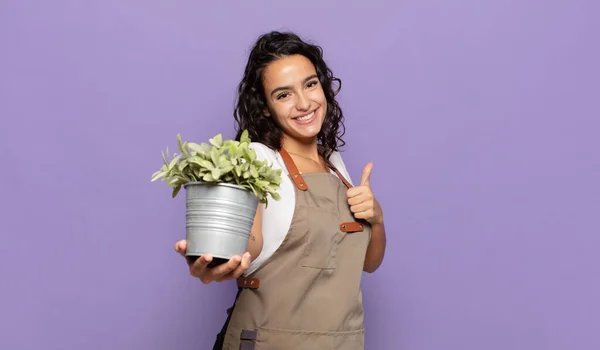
<point x="251" y="103"/>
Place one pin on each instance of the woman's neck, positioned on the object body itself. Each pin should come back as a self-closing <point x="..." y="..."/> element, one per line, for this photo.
<point x="309" y="150"/>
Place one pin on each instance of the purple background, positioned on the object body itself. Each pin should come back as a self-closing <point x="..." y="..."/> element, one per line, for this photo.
<point x="481" y="118"/>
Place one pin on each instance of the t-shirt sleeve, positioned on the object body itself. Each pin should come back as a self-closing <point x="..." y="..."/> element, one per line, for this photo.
<point x="338" y="162"/>
<point x="265" y="153"/>
<point x="277" y="217"/>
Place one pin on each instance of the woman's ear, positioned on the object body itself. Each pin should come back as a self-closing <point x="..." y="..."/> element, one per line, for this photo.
<point x="266" y="112"/>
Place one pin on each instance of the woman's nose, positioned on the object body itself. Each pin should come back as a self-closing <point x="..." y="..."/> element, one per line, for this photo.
<point x="302" y="103"/>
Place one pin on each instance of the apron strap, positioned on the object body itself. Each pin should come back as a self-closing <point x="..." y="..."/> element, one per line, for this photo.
<point x="247" y="339"/>
<point x="353" y="226"/>
<point x="218" y="345"/>
<point x="296" y="176"/>
<point x="340" y="176"/>
<point x="247" y="282"/>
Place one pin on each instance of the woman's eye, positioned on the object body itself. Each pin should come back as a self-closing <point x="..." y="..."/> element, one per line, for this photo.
<point x="282" y="95"/>
<point x="311" y="84"/>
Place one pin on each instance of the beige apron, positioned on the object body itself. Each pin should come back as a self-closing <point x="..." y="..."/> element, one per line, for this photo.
<point x="307" y="295"/>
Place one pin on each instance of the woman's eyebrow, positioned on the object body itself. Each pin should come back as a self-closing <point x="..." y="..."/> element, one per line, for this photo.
<point x="290" y="87"/>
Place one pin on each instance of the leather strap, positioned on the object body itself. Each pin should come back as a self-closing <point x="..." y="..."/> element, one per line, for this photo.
<point x="246" y="345"/>
<point x="294" y="173"/>
<point x="352" y="226"/>
<point x="247" y="339"/>
<point x="246" y="282"/>
<point x="248" y="334"/>
<point x="341" y="176"/>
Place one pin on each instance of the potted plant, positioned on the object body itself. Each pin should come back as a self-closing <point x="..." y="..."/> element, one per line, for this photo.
<point x="224" y="182"/>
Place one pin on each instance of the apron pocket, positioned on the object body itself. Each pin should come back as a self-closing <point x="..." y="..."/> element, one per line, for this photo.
<point x="278" y="339"/>
<point x="322" y="240"/>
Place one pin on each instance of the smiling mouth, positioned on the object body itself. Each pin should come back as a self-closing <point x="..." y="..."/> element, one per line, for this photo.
<point x="306" y="118"/>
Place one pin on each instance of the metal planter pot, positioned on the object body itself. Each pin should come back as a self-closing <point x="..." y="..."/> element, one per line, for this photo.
<point x="219" y="219"/>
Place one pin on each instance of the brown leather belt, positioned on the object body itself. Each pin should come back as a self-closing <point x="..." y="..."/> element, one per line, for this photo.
<point x="245" y="282"/>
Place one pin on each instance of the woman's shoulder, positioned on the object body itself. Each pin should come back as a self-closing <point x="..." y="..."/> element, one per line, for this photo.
<point x="337" y="160"/>
<point x="265" y="153"/>
<point x="259" y="145"/>
<point x="336" y="156"/>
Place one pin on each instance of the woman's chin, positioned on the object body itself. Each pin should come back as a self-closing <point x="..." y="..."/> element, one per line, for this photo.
<point x="302" y="137"/>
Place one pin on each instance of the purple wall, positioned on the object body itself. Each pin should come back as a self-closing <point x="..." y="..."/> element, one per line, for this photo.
<point x="481" y="118"/>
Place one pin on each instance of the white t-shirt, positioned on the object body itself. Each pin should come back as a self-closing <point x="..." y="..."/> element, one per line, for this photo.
<point x="277" y="216"/>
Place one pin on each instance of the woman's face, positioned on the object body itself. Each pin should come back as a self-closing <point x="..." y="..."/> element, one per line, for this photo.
<point x="295" y="97"/>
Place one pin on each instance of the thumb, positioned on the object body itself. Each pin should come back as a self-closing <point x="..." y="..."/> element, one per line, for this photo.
<point x="366" y="175"/>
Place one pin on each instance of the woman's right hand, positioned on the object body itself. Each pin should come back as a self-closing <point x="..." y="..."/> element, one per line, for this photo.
<point x="232" y="269"/>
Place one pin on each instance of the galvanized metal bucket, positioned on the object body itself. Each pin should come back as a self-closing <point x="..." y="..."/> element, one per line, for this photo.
<point x="219" y="219"/>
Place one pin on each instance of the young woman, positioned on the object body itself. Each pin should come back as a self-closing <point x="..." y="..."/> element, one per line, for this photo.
<point x="299" y="281"/>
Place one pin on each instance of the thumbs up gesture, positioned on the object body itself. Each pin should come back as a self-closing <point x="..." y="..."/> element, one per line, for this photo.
<point x="362" y="201"/>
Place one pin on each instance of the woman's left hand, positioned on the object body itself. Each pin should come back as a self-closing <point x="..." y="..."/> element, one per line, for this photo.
<point x="362" y="201"/>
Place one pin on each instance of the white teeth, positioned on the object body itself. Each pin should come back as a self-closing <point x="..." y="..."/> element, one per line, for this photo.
<point x="306" y="117"/>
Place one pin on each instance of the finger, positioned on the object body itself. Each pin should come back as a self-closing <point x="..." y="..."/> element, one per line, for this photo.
<point x="244" y="265"/>
<point x="359" y="199"/>
<point x="366" y="175"/>
<point x="357" y="191"/>
<point x="181" y="247"/>
<point x="365" y="215"/>
<point x="363" y="207"/>
<point x="198" y="267"/>
<point x="217" y="273"/>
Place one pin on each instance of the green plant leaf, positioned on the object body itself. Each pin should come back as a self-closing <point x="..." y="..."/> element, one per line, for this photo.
<point x="164" y="157"/>
<point x="201" y="162"/>
<point x="174" y="160"/>
<point x="216" y="173"/>
<point x="262" y="184"/>
<point x="226" y="169"/>
<point x="180" y="143"/>
<point x="253" y="171"/>
<point x="175" y="191"/>
<point x="203" y="148"/>
<point x="157" y="175"/>
<point x="244" y="137"/>
<point x="217" y="141"/>
<point x="234" y="151"/>
<point x="230" y="143"/>
<point x="214" y="156"/>
<point x="174" y="182"/>
<point x="183" y="164"/>
<point x="224" y="162"/>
